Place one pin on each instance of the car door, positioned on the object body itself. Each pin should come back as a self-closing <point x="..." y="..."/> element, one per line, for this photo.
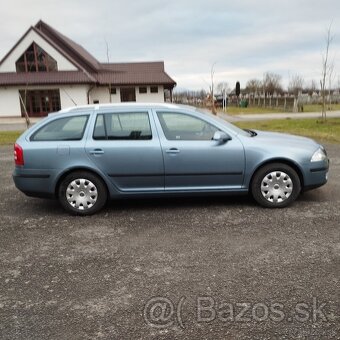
<point x="125" y="146"/>
<point x="192" y="160"/>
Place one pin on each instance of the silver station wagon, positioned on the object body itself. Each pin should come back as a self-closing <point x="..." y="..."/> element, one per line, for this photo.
<point x="85" y="155"/>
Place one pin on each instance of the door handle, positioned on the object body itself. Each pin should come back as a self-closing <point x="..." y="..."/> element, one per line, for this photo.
<point x="96" y="152"/>
<point x="172" y="150"/>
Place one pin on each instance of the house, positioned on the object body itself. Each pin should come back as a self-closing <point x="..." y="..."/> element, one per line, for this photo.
<point x="45" y="71"/>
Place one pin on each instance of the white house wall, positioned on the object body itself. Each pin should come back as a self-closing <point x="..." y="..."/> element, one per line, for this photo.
<point x="150" y="97"/>
<point x="9" y="102"/>
<point x="9" y="64"/>
<point x="102" y="95"/>
<point x="71" y="94"/>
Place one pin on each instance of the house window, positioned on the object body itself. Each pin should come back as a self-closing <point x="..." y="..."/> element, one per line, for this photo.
<point x="35" y="59"/>
<point x="96" y="101"/>
<point x="143" y="89"/>
<point x="154" y="89"/>
<point x="113" y="90"/>
<point x="128" y="94"/>
<point x="39" y="103"/>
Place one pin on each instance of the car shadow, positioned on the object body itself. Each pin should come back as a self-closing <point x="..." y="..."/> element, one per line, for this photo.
<point x="179" y="203"/>
<point x="53" y="208"/>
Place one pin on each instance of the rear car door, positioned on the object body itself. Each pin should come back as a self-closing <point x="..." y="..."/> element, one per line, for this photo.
<point x="125" y="146"/>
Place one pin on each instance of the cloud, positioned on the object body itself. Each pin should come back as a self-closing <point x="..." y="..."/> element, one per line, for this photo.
<point x="246" y="38"/>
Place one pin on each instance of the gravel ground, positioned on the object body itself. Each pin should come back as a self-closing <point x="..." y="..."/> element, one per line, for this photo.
<point x="214" y="268"/>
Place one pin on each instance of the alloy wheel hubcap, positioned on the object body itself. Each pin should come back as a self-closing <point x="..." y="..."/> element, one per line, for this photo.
<point x="81" y="194"/>
<point x="276" y="186"/>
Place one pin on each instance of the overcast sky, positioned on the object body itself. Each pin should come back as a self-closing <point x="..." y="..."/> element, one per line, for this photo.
<point x="245" y="38"/>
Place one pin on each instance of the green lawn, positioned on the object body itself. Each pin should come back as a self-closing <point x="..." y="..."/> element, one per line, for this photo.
<point x="328" y="131"/>
<point x="233" y="110"/>
<point x="318" y="108"/>
<point x="9" y="137"/>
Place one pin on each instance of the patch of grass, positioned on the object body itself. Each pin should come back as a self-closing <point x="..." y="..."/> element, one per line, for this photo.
<point x="233" y="110"/>
<point x="9" y="137"/>
<point x="328" y="131"/>
<point x="318" y="108"/>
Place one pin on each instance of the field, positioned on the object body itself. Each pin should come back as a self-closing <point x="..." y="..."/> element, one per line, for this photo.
<point x="328" y="131"/>
<point x="9" y="137"/>
<point x="233" y="110"/>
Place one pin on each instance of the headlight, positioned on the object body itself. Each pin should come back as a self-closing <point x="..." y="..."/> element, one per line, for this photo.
<point x="319" y="155"/>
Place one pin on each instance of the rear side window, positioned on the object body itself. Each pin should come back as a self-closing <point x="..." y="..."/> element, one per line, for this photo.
<point x="68" y="128"/>
<point x="123" y="126"/>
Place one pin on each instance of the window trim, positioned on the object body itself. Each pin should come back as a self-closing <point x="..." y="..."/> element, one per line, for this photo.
<point x="94" y="126"/>
<point x="31" y="138"/>
<point x="104" y="114"/>
<point x="164" y="127"/>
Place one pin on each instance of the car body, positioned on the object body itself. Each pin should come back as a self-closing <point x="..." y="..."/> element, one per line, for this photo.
<point x="85" y="155"/>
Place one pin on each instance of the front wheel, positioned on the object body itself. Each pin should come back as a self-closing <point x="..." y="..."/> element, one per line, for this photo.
<point x="82" y="193"/>
<point x="275" y="185"/>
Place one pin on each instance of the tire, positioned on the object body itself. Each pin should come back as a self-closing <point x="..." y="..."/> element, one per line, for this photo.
<point x="275" y="185"/>
<point x="82" y="193"/>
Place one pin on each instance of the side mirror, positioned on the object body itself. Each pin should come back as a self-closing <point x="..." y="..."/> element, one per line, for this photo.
<point x="221" y="137"/>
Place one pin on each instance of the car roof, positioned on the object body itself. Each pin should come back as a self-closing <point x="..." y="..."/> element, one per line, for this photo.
<point x="96" y="107"/>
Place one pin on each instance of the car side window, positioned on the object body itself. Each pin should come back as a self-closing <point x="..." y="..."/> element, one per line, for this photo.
<point x="62" y="129"/>
<point x="122" y="126"/>
<point x="180" y="126"/>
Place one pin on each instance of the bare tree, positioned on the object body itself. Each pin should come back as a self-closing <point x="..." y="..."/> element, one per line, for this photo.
<point x="311" y="87"/>
<point x="108" y="61"/>
<point x="272" y="83"/>
<point x="327" y="68"/>
<point x="23" y="102"/>
<point x="253" y="86"/>
<point x="212" y="73"/>
<point x="295" y="86"/>
<point x="222" y="86"/>
<point x="330" y="81"/>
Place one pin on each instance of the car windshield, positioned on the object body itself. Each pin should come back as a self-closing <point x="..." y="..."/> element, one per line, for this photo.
<point x="230" y="126"/>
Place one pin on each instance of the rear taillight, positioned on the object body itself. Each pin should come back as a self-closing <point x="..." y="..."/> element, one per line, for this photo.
<point x="18" y="155"/>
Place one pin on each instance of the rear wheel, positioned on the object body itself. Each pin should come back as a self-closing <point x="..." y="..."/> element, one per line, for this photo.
<point x="82" y="193"/>
<point x="275" y="185"/>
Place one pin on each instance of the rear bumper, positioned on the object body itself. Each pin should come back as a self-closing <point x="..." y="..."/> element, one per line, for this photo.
<point x="35" y="183"/>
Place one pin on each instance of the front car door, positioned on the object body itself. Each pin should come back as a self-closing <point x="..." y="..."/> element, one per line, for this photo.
<point x="125" y="146"/>
<point x="192" y="160"/>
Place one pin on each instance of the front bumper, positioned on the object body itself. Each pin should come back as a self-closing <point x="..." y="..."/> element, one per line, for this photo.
<point x="316" y="175"/>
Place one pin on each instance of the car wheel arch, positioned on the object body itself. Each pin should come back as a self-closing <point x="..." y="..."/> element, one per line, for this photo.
<point x="285" y="161"/>
<point x="80" y="168"/>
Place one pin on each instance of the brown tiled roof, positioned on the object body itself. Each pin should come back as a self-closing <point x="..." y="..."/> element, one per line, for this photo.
<point x="156" y="66"/>
<point x="71" y="48"/>
<point x="90" y="70"/>
<point x="134" y="73"/>
<point x="44" y="78"/>
<point x="78" y="77"/>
